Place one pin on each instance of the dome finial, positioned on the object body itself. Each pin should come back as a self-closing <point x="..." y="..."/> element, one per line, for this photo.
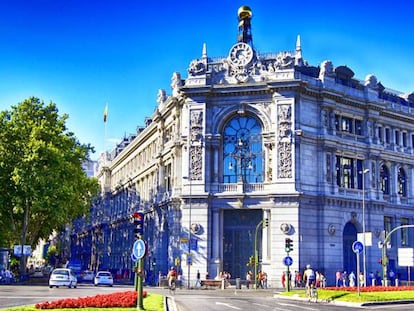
<point x="245" y="32"/>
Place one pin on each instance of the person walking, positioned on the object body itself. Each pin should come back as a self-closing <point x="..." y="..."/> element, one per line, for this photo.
<point x="298" y="279"/>
<point x="249" y="279"/>
<point x="198" y="280"/>
<point x="259" y="279"/>
<point x="264" y="279"/>
<point x="338" y="278"/>
<point x="352" y="279"/>
<point x="361" y="279"/>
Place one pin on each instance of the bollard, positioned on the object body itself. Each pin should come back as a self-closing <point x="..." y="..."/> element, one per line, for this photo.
<point x="222" y="284"/>
<point x="396" y="282"/>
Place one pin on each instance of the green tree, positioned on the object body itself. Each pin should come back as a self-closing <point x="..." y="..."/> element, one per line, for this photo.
<point x="51" y="254"/>
<point x="43" y="185"/>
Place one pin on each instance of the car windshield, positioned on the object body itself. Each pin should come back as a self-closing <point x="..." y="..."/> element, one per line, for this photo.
<point x="61" y="272"/>
<point x="104" y="274"/>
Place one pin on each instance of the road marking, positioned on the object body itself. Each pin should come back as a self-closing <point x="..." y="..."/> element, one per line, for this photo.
<point x="297" y="306"/>
<point x="227" y="305"/>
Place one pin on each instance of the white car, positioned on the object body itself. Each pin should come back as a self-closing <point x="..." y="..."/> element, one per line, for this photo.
<point x="103" y="278"/>
<point x="63" y="277"/>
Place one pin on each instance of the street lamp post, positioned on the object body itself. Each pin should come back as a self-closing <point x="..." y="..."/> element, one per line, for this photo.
<point x="189" y="259"/>
<point x="363" y="226"/>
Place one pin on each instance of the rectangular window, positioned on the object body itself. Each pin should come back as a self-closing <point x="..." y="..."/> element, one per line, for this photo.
<point x="380" y="136"/>
<point x="328" y="167"/>
<point x="404" y="139"/>
<point x="346" y="125"/>
<point x="387" y="224"/>
<point x="358" y="127"/>
<point x="345" y="170"/>
<point x="397" y="137"/>
<point x="337" y="120"/>
<point x="387" y="135"/>
<point x="167" y="177"/>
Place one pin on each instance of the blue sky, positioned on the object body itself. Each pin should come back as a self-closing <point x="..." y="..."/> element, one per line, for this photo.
<point x="83" y="54"/>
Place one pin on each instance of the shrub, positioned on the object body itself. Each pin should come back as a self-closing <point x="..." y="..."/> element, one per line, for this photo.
<point x="121" y="299"/>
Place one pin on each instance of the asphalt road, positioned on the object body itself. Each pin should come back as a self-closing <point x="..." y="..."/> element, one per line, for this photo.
<point x="260" y="300"/>
<point x="186" y="300"/>
<point x="24" y="295"/>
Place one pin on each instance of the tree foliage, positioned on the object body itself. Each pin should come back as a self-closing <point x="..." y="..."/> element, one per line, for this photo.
<point x="43" y="185"/>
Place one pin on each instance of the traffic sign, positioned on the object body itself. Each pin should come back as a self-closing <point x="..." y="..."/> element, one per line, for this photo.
<point x="357" y="247"/>
<point x="139" y="249"/>
<point x="288" y="261"/>
<point x="133" y="258"/>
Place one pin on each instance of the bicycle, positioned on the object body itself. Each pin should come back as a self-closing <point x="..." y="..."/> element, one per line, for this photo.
<point x="172" y="286"/>
<point x="312" y="293"/>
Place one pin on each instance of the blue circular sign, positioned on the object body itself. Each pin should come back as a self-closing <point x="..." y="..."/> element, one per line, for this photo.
<point x="357" y="247"/>
<point x="288" y="261"/>
<point x="139" y="249"/>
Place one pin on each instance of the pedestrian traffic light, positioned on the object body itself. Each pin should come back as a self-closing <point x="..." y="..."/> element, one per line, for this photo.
<point x="266" y="222"/>
<point x="139" y="224"/>
<point x="288" y="245"/>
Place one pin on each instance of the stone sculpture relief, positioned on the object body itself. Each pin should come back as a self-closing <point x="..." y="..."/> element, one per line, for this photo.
<point x="284" y="115"/>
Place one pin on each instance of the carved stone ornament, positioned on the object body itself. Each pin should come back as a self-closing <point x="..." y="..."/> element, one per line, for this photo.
<point x="285" y="228"/>
<point x="331" y="229"/>
<point x="195" y="228"/>
<point x="377" y="232"/>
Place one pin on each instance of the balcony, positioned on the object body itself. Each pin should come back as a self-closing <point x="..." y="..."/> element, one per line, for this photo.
<point x="241" y="187"/>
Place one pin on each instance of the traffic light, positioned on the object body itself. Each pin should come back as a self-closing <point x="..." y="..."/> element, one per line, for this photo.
<point x="139" y="224"/>
<point x="251" y="261"/>
<point x="288" y="245"/>
<point x="266" y="222"/>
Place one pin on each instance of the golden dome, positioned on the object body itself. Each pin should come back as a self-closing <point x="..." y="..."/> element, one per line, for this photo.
<point x="244" y="12"/>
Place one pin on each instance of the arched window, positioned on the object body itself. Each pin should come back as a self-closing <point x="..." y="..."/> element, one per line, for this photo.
<point x="242" y="150"/>
<point x="384" y="179"/>
<point x="402" y="183"/>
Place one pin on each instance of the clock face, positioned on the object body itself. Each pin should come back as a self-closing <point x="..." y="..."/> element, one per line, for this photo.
<point x="241" y="54"/>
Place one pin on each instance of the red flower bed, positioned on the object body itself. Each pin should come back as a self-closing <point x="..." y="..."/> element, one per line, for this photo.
<point x="123" y="300"/>
<point x="372" y="288"/>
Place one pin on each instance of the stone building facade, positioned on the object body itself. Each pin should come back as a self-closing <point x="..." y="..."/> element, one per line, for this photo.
<point x="248" y="139"/>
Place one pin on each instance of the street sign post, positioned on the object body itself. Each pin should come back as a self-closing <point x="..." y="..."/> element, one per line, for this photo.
<point x="139" y="249"/>
<point x="357" y="248"/>
<point x="288" y="262"/>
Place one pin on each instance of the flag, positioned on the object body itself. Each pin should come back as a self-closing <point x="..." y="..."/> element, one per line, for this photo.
<point x="105" y="112"/>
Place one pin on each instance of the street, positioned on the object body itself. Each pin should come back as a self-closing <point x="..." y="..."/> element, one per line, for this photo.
<point x="185" y="300"/>
<point x="23" y="295"/>
<point x="231" y="299"/>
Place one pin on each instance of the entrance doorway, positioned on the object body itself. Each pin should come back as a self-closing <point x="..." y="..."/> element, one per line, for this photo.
<point x="349" y="237"/>
<point x="238" y="240"/>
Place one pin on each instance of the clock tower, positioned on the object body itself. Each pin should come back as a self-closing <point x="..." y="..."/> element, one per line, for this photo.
<point x="241" y="56"/>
